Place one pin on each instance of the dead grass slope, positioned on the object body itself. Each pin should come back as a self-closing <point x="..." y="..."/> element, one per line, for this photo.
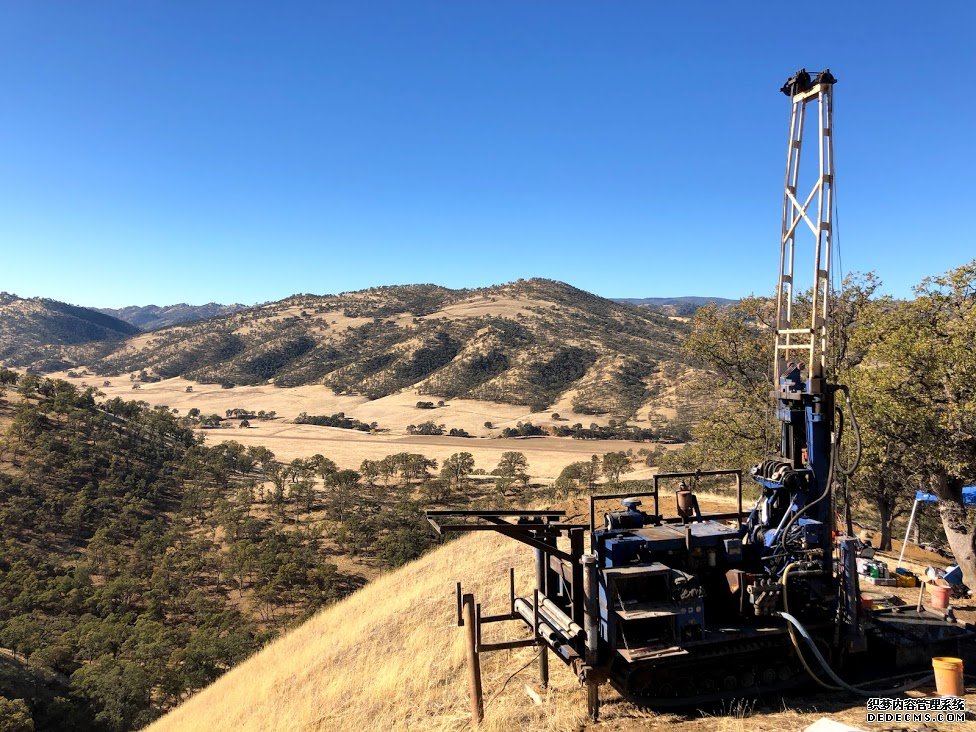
<point x="389" y="657"/>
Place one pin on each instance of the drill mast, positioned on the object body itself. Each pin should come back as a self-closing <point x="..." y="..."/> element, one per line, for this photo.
<point x="796" y="346"/>
<point x="795" y="508"/>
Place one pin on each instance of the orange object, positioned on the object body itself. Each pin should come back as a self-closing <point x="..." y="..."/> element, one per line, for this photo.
<point x="948" y="676"/>
<point x="867" y="603"/>
<point x="939" y="596"/>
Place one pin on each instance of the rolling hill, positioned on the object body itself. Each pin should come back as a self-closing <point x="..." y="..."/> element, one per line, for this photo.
<point x="35" y="331"/>
<point x="531" y="342"/>
<point x="153" y="317"/>
<point x="388" y="657"/>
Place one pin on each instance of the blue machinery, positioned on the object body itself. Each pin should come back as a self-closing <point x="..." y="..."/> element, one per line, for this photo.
<point x="690" y="609"/>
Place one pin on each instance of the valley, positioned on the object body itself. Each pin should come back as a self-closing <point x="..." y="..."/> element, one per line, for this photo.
<point x="547" y="456"/>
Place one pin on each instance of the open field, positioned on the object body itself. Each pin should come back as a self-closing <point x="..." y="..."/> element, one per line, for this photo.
<point x="391" y="657"/>
<point x="547" y="456"/>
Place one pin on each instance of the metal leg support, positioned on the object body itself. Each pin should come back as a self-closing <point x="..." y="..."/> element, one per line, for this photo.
<point x="541" y="559"/>
<point x="474" y="662"/>
<point x="592" y="628"/>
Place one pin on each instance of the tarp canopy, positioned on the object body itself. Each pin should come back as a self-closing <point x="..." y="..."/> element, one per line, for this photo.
<point x="968" y="496"/>
<point x="968" y="499"/>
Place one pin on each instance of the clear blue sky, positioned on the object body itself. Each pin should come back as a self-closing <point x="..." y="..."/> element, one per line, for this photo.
<point x="235" y="151"/>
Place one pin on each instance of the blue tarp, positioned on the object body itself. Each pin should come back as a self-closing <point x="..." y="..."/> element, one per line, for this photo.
<point x="968" y="496"/>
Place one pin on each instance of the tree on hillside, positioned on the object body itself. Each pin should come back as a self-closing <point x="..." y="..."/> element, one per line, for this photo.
<point x="918" y="381"/>
<point x="15" y="716"/>
<point x="425" y="428"/>
<point x="413" y="466"/>
<point x="569" y="479"/>
<point x="512" y="467"/>
<point x="614" y="465"/>
<point x="345" y="488"/>
<point x="589" y="472"/>
<point x="8" y="376"/>
<point x="887" y="475"/>
<point x="733" y="349"/>
<point x="324" y="467"/>
<point x="370" y="470"/>
<point x="261" y="456"/>
<point x="457" y="468"/>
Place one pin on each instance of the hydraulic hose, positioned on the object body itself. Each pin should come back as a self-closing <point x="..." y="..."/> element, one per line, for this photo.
<point x="796" y="643"/>
<point x="844" y="469"/>
<point x="822" y="496"/>
<point x="830" y="672"/>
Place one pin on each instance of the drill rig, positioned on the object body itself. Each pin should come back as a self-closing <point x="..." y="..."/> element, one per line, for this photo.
<point x="730" y="584"/>
<point x="696" y="608"/>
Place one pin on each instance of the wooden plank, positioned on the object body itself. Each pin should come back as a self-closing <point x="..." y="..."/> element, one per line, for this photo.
<point x="638" y="654"/>
<point x="647" y="611"/>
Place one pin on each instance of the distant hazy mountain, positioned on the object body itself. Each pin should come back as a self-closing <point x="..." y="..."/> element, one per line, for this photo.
<point x="534" y="342"/>
<point x="674" y="305"/>
<point x="151" y="317"/>
<point x="33" y="331"/>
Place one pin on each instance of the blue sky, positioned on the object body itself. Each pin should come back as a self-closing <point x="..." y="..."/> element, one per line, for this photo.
<point x="234" y="151"/>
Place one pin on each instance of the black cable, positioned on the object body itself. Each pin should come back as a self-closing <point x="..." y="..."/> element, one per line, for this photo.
<point x="826" y="492"/>
<point x="844" y="469"/>
<point x="531" y="660"/>
<point x="835" y="460"/>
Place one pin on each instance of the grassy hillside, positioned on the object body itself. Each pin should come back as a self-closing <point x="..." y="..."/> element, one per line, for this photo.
<point x="389" y="657"/>
<point x="33" y="331"/>
<point x="152" y="317"/>
<point x="138" y="565"/>
<point x="531" y="342"/>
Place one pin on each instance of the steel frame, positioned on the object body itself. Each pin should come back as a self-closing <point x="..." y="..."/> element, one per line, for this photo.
<point x="557" y="574"/>
<point x="810" y="343"/>
<point x="655" y="494"/>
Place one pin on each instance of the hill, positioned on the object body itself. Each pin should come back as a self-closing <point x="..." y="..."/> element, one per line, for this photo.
<point x="34" y="331"/>
<point x="390" y="657"/>
<point x="679" y="306"/>
<point x="139" y="565"/>
<point x="153" y="317"/>
<point x="531" y="342"/>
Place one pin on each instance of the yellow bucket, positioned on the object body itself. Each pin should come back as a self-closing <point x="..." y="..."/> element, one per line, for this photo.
<point x="948" y="676"/>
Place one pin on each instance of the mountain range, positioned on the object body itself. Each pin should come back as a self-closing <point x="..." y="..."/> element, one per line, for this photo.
<point x="533" y="342"/>
<point x="153" y="317"/>
<point x="681" y="306"/>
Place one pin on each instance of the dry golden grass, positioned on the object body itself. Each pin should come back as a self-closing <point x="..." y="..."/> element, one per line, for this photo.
<point x="389" y="657"/>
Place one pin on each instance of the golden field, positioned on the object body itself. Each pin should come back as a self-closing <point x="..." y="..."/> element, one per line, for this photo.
<point x="547" y="456"/>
